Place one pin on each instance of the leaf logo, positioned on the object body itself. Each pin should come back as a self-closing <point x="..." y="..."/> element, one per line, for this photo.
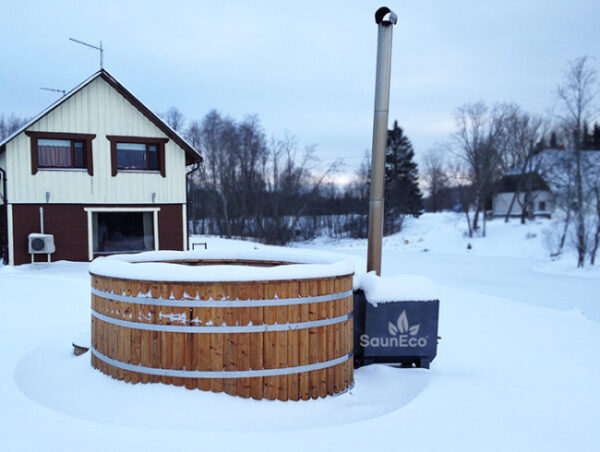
<point x="402" y="326"/>
<point x="403" y="323"/>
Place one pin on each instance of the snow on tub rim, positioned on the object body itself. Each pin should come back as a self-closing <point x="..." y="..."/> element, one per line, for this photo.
<point x="265" y="323"/>
<point x="266" y="264"/>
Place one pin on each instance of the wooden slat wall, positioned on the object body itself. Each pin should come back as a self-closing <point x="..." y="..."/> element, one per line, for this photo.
<point x="100" y="110"/>
<point x="235" y="351"/>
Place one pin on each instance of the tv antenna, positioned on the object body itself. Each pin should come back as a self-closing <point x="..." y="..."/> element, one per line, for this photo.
<point x="54" y="90"/>
<point x="87" y="44"/>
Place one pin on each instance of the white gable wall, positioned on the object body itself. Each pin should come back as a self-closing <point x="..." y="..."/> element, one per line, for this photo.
<point x="96" y="109"/>
<point x="501" y="203"/>
<point x="3" y="166"/>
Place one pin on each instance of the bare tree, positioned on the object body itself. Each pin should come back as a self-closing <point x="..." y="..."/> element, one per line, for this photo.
<point x="293" y="184"/>
<point x="10" y="124"/>
<point x="194" y="176"/>
<point x="561" y="172"/>
<point x="247" y="188"/>
<point x="174" y="118"/>
<point x="219" y="142"/>
<point x="593" y="181"/>
<point x="478" y="129"/>
<point x="435" y="176"/>
<point x="521" y="134"/>
<point x="576" y="94"/>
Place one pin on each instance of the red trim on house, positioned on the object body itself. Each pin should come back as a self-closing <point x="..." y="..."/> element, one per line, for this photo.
<point x="3" y="234"/>
<point x="68" y="224"/>
<point x="160" y="142"/>
<point x="192" y="156"/>
<point x="85" y="137"/>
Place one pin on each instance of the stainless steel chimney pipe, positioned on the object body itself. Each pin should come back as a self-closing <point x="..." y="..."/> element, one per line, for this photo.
<point x="385" y="19"/>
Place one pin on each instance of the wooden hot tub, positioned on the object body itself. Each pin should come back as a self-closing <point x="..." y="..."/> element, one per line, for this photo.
<point x="259" y="324"/>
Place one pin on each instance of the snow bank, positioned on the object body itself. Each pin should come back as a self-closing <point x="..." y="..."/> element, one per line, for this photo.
<point x="495" y="384"/>
<point x="154" y="265"/>
<point x="395" y="288"/>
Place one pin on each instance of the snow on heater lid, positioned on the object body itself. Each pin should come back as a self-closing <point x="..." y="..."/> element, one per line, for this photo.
<point x="385" y="289"/>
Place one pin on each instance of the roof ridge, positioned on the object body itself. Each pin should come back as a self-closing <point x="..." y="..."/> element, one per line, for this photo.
<point x="128" y="95"/>
<point x="51" y="107"/>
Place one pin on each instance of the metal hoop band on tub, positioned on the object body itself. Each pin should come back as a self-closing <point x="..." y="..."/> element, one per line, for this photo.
<point x="220" y="373"/>
<point x="220" y="303"/>
<point x="222" y="329"/>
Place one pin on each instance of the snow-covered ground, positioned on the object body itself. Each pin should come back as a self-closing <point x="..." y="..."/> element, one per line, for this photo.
<point x="517" y="366"/>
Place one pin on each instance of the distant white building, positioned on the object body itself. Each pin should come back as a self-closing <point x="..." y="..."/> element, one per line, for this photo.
<point x="538" y="201"/>
<point x="548" y="176"/>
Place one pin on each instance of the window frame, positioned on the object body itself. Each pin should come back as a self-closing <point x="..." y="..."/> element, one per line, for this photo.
<point x="91" y="210"/>
<point x="86" y="138"/>
<point x="146" y="159"/>
<point x="160" y="148"/>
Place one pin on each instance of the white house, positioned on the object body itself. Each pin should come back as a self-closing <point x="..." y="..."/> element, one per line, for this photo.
<point x="108" y="174"/>
<point x="549" y="177"/>
<point x="538" y="199"/>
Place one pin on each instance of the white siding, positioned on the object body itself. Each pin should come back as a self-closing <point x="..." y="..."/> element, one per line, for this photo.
<point x="501" y="203"/>
<point x="3" y="166"/>
<point x="97" y="109"/>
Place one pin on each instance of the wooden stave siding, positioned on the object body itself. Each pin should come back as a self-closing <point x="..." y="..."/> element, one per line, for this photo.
<point x="278" y="349"/>
<point x="68" y="224"/>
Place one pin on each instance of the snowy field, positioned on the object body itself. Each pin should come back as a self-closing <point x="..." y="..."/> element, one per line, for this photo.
<point x="517" y="366"/>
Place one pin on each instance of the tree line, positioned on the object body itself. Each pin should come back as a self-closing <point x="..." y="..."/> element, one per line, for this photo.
<point x="274" y="190"/>
<point x="490" y="142"/>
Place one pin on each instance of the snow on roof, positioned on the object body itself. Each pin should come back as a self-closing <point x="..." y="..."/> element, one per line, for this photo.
<point x="555" y="165"/>
<point x="155" y="266"/>
<point x="548" y="159"/>
<point x="379" y="289"/>
<point x="119" y="86"/>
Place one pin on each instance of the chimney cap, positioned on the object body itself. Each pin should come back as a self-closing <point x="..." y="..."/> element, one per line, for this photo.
<point x="385" y="16"/>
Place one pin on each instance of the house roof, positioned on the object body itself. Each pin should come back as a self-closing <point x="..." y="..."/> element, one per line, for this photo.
<point x="549" y="170"/>
<point x="192" y="155"/>
<point x="510" y="182"/>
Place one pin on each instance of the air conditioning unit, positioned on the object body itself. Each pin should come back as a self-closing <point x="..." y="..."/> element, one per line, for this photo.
<point x="41" y="244"/>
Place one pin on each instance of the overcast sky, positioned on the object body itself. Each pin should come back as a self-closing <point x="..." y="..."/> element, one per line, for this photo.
<point x="307" y="67"/>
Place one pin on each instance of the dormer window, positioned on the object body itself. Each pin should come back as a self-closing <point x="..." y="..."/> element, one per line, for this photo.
<point x="137" y="154"/>
<point x="61" y="151"/>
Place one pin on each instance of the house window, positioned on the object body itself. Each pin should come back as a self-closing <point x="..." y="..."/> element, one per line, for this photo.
<point x="61" y="153"/>
<point x="51" y="150"/>
<point x="137" y="154"/>
<point x="542" y="205"/>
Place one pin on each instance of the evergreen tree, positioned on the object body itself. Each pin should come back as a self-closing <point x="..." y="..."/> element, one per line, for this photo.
<point x="596" y="137"/>
<point x="402" y="193"/>
<point x="586" y="138"/>
<point x="553" y="140"/>
<point x="540" y="145"/>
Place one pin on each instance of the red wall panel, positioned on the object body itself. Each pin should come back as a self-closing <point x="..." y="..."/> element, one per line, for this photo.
<point x="68" y="223"/>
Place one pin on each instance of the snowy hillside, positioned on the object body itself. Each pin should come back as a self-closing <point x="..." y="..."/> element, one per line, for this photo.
<point x="447" y="233"/>
<point x="516" y="366"/>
